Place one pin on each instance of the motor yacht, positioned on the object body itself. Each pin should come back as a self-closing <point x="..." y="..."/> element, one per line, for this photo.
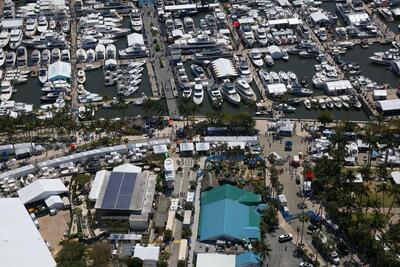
<point x="30" y="27"/>
<point x="10" y="59"/>
<point x="111" y="52"/>
<point x="42" y="24"/>
<point x="42" y="75"/>
<point x="345" y="101"/>
<point x="284" y="77"/>
<point x="336" y="102"/>
<point x="245" y="91"/>
<point x="65" y="55"/>
<point x="55" y="55"/>
<point x="286" y="108"/>
<point x="215" y="95"/>
<point x="274" y="77"/>
<point x="81" y="55"/>
<point x="169" y="171"/>
<point x="22" y="56"/>
<point x="265" y="77"/>
<point x="297" y="89"/>
<point x="244" y="70"/>
<point x="307" y="103"/>
<point x="198" y="71"/>
<point x="247" y="35"/>
<point x="189" y="24"/>
<point x="65" y="25"/>
<point x="46" y="57"/>
<point x="35" y="57"/>
<point x="16" y="36"/>
<point x="269" y="60"/>
<point x="81" y="76"/>
<point x="134" y="52"/>
<point x="4" y="38"/>
<point x="91" y="55"/>
<point x="261" y="36"/>
<point x="2" y="57"/>
<point x="187" y="92"/>
<point x="355" y="102"/>
<point x="136" y="20"/>
<point x="329" y="103"/>
<point x="256" y="58"/>
<point x="100" y="52"/>
<point x="198" y="93"/>
<point x="230" y="93"/>
<point x="6" y="91"/>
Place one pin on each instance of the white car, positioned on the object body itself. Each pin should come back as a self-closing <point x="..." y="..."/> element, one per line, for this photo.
<point x="306" y="264"/>
<point x="334" y="257"/>
<point x="285" y="238"/>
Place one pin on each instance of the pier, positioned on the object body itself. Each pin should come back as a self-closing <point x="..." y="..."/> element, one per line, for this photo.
<point x="153" y="82"/>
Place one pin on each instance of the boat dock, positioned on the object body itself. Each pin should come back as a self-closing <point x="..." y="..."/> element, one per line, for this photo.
<point x="153" y="82"/>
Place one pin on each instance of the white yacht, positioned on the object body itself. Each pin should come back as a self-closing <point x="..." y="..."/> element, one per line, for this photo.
<point x="247" y="35"/>
<point x="269" y="60"/>
<point x="42" y="24"/>
<point x="10" y="59"/>
<point x="136" y="20"/>
<point x="215" y="95"/>
<point x="65" y="26"/>
<point x="65" y="55"/>
<point x="256" y="58"/>
<point x="265" y="77"/>
<point x="16" y="36"/>
<point x="274" y="77"/>
<point x="307" y="103"/>
<point x="30" y="27"/>
<point x="229" y="92"/>
<point x="55" y="54"/>
<point x="4" y="38"/>
<point x="91" y="55"/>
<point x="42" y="75"/>
<point x="52" y="24"/>
<point x="321" y="103"/>
<point x="134" y="51"/>
<point x="100" y="52"/>
<point x="261" y="36"/>
<point x="6" y="91"/>
<point x="189" y="24"/>
<point x="198" y="94"/>
<point x="284" y="77"/>
<point x="187" y="92"/>
<point x="2" y="57"/>
<point x="81" y="76"/>
<point x="111" y="52"/>
<point x="336" y="102"/>
<point x="22" y="56"/>
<point x="244" y="70"/>
<point x="245" y="91"/>
<point x="81" y="55"/>
<point x="46" y="57"/>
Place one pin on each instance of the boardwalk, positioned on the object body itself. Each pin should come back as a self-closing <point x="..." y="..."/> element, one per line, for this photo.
<point x="154" y="88"/>
<point x="74" y="83"/>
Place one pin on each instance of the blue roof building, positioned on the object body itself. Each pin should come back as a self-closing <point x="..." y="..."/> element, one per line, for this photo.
<point x="229" y="213"/>
<point x="247" y="259"/>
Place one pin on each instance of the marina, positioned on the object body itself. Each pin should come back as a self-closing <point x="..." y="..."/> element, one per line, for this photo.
<point x="298" y="54"/>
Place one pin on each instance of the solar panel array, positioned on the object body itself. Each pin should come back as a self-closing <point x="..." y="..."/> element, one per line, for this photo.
<point x="119" y="191"/>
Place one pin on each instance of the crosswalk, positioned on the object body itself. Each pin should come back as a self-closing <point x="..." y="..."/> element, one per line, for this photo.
<point x="188" y="163"/>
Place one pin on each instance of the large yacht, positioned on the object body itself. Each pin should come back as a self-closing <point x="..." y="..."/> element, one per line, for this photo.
<point x="247" y="34"/>
<point x="16" y="36"/>
<point x="229" y="92"/>
<point x="136" y="20"/>
<point x="198" y="93"/>
<point x="134" y="51"/>
<point x="245" y="91"/>
<point x="30" y="27"/>
<point x="4" y="38"/>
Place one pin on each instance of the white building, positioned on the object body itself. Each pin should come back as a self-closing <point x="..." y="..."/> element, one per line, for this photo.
<point x="41" y="189"/>
<point x="21" y="244"/>
<point x="97" y="183"/>
<point x="215" y="260"/>
<point x="275" y="89"/>
<point x="391" y="106"/>
<point x="149" y="255"/>
<point x="54" y="202"/>
<point x="337" y="87"/>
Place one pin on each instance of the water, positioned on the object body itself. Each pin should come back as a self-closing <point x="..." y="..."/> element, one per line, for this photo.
<point x="29" y="92"/>
<point x="377" y="73"/>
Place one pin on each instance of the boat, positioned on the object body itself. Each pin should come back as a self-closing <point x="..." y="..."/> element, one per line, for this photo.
<point x="297" y="89"/>
<point x="111" y="52"/>
<point x="22" y="56"/>
<point x="244" y="70"/>
<point x="336" y="102"/>
<point x="65" y="55"/>
<point x="256" y="58"/>
<point x="6" y="91"/>
<point x="321" y="103"/>
<point x="189" y="24"/>
<point x="274" y="77"/>
<point x="100" y="52"/>
<point x="81" y="55"/>
<point x="198" y="71"/>
<point x="187" y="92"/>
<point x="50" y="97"/>
<point x="284" y="77"/>
<point x="198" y="94"/>
<point x="178" y="24"/>
<point x="230" y="93"/>
<point x="65" y="25"/>
<point x="55" y="54"/>
<point x="4" y="38"/>
<point x="16" y="36"/>
<point x="247" y="35"/>
<point x="88" y="41"/>
<point x="245" y="91"/>
<point x="169" y="171"/>
<point x="42" y="24"/>
<point x="35" y="57"/>
<point x="261" y="36"/>
<point x="10" y="59"/>
<point x="136" y="20"/>
<point x="215" y="95"/>
<point x="265" y="77"/>
<point x="307" y="103"/>
<point x="286" y="108"/>
<point x="42" y="75"/>
<point x="30" y="27"/>
<point x="46" y="56"/>
<point x="52" y="24"/>
<point x="81" y="76"/>
<point x="355" y="102"/>
<point x="2" y="57"/>
<point x="91" y="55"/>
<point x="329" y="103"/>
<point x="345" y="101"/>
<point x="292" y="77"/>
<point x="269" y="60"/>
<point x="133" y="51"/>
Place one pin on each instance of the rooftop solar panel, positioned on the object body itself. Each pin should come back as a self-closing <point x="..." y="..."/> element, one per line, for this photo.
<point x="119" y="191"/>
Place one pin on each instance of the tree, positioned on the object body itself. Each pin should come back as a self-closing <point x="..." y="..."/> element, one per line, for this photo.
<point x="100" y="254"/>
<point x="325" y="117"/>
<point x="263" y="250"/>
<point x="71" y="255"/>
<point x="182" y="263"/>
<point x="133" y="262"/>
<point x="167" y="236"/>
<point x="270" y="218"/>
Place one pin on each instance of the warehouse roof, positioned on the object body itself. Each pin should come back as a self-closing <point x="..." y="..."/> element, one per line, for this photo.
<point x="97" y="184"/>
<point x="18" y="172"/>
<point x="389" y="105"/>
<point x="186" y="147"/>
<point x="202" y="146"/>
<point x="215" y="260"/>
<point x="160" y="149"/>
<point x="20" y="242"/>
<point x="41" y="189"/>
<point x="147" y="253"/>
<point x="247" y="259"/>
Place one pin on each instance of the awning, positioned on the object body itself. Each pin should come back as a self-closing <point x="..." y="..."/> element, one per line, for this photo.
<point x="160" y="149"/>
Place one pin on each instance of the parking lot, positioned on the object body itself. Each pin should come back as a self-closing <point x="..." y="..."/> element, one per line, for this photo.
<point x="52" y="228"/>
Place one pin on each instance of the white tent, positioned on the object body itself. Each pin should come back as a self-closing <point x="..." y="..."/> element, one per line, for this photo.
<point x="59" y="71"/>
<point x="224" y="68"/>
<point x="54" y="202"/>
<point x="41" y="189"/>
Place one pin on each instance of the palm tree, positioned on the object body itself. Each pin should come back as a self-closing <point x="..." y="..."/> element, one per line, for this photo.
<point x="263" y="250"/>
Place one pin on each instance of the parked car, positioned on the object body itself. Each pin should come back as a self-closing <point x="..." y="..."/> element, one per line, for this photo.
<point x="285" y="238"/>
<point x="305" y="264"/>
<point x="334" y="257"/>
